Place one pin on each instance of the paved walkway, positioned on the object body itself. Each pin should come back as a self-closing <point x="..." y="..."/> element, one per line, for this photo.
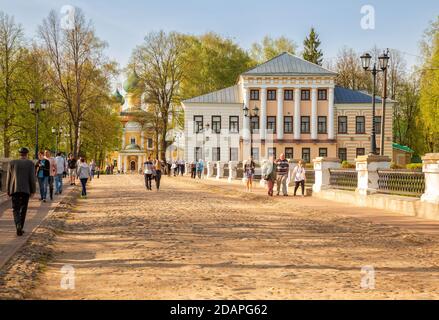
<point x="9" y="242"/>
<point x="210" y="240"/>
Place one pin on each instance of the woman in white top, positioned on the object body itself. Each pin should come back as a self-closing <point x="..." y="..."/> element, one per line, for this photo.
<point x="299" y="178"/>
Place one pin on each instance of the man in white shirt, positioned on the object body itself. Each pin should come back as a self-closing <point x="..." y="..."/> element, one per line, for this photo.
<point x="61" y="167"/>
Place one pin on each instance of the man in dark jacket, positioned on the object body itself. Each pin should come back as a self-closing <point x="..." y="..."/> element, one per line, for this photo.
<point x="20" y="187"/>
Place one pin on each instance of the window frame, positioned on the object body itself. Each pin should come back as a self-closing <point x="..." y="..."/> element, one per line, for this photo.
<point x="358" y="154"/>
<point x="214" y="124"/>
<point x="230" y="153"/>
<point x="308" y="131"/>
<point x="196" y="149"/>
<point x="230" y="124"/>
<point x="346" y="124"/>
<point x="378" y="124"/>
<point x="274" y="152"/>
<point x="274" y="123"/>
<point x="287" y="96"/>
<point x="252" y="122"/>
<point x="309" y="155"/>
<point x="255" y="95"/>
<point x="196" y="124"/>
<point x="319" y="91"/>
<point x="291" y="125"/>
<point x="218" y="153"/>
<point x="356" y="125"/>
<point x="326" y="152"/>
<point x="287" y="151"/>
<point x="325" y="122"/>
<point x="345" y="154"/>
<point x="305" y="95"/>
<point x="271" y="95"/>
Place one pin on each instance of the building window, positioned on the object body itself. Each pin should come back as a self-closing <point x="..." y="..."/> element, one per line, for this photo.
<point x="361" y="152"/>
<point x="306" y="95"/>
<point x="234" y="124"/>
<point x="288" y="124"/>
<point x="216" y="154"/>
<point x="289" y="153"/>
<point x="378" y="124"/>
<point x="271" y="124"/>
<point x="234" y="154"/>
<point x="198" y="124"/>
<point x="133" y="141"/>
<point x="323" y="152"/>
<point x="322" y="94"/>
<point x="271" y="152"/>
<point x="254" y="95"/>
<point x="321" y="125"/>
<point x="343" y="154"/>
<point x="360" y="125"/>
<point x="254" y="124"/>
<point x="198" y="154"/>
<point x="304" y="124"/>
<point x="255" y="153"/>
<point x="306" y="155"/>
<point x="271" y="95"/>
<point x="342" y="125"/>
<point x="289" y="95"/>
<point x="216" y="124"/>
<point x="149" y="143"/>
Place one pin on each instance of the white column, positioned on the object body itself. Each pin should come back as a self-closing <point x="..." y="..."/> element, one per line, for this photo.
<point x="331" y="112"/>
<point x="431" y="171"/>
<point x="232" y="170"/>
<point x="123" y="138"/>
<point x="322" y="173"/>
<point x="280" y="114"/>
<point x="314" y="114"/>
<point x="297" y="115"/>
<point x="246" y="120"/>
<point x="263" y="117"/>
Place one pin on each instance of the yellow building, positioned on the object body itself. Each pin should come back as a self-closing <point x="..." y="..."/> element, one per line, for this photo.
<point x="136" y="142"/>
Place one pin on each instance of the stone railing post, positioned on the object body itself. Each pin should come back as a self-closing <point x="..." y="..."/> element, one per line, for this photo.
<point x="219" y="170"/>
<point x="232" y="171"/>
<point x="263" y="182"/>
<point x="209" y="165"/>
<point x="431" y="170"/>
<point x="187" y="168"/>
<point x="367" y="167"/>
<point x="321" y="172"/>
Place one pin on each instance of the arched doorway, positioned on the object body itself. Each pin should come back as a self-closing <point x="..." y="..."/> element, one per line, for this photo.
<point x="133" y="166"/>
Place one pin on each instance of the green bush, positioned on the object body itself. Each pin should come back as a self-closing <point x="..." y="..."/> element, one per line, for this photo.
<point x="347" y="165"/>
<point x="414" y="166"/>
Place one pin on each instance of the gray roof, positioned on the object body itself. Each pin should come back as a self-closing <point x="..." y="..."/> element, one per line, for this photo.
<point x="228" y="95"/>
<point x="287" y="64"/>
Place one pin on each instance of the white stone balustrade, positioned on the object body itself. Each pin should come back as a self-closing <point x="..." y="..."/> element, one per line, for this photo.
<point x="219" y="170"/>
<point x="431" y="170"/>
<point x="232" y="170"/>
<point x="367" y="167"/>
<point x="209" y="166"/>
<point x="321" y="172"/>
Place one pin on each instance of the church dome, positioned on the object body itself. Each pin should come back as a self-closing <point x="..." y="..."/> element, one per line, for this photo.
<point x="133" y="147"/>
<point x="131" y="82"/>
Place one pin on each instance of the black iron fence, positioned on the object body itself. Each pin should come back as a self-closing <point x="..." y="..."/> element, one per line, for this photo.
<point x="401" y="182"/>
<point x="345" y="179"/>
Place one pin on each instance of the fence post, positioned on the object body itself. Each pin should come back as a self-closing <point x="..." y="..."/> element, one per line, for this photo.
<point x="219" y="170"/>
<point x="232" y="171"/>
<point x="431" y="170"/>
<point x="187" y="168"/>
<point x="209" y="169"/>
<point x="367" y="167"/>
<point x="263" y="182"/>
<point x="321" y="172"/>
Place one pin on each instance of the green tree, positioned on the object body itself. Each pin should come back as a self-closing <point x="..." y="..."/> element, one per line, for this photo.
<point x="271" y="47"/>
<point x="311" y="51"/>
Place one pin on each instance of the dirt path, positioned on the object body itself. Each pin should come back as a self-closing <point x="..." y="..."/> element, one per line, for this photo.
<point x="204" y="240"/>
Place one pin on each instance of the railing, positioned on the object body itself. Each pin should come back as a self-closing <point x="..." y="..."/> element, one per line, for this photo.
<point x="343" y="179"/>
<point x="401" y="182"/>
<point x="310" y="177"/>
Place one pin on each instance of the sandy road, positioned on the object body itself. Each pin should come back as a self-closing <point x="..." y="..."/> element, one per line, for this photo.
<point x="204" y="240"/>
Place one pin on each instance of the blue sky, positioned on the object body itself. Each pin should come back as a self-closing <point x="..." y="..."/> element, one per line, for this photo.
<point x="123" y="24"/>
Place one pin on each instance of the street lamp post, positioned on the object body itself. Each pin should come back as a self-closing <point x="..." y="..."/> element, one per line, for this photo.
<point x="36" y="109"/>
<point x="383" y="63"/>
<point x="249" y="114"/>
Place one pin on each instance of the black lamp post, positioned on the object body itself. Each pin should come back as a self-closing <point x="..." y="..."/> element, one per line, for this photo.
<point x="56" y="132"/>
<point x="383" y="64"/>
<point x="36" y="109"/>
<point x="249" y="114"/>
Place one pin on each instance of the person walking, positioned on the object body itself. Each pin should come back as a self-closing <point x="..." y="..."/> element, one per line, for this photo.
<point x="299" y="174"/>
<point x="158" y="173"/>
<point x="61" y="167"/>
<point x="92" y="169"/>
<point x="42" y="168"/>
<point x="71" y="163"/>
<point x="193" y="169"/>
<point x="249" y="173"/>
<point x="52" y="170"/>
<point x="148" y="167"/>
<point x="83" y="174"/>
<point x="269" y="174"/>
<point x="20" y="185"/>
<point x="282" y="171"/>
<point x="200" y="168"/>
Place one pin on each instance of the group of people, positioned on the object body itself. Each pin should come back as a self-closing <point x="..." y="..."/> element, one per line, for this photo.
<point x="49" y="171"/>
<point x="152" y="171"/>
<point x="178" y="167"/>
<point x="276" y="171"/>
